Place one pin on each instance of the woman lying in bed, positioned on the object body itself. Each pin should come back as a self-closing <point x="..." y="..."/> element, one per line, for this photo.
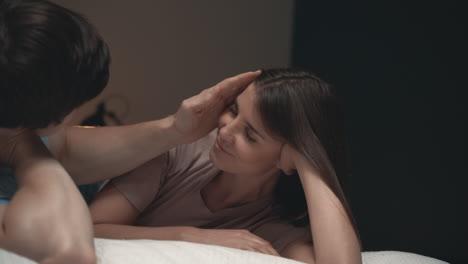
<point x="267" y="180"/>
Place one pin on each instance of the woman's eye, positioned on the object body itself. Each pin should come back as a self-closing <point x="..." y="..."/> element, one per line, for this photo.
<point x="233" y="111"/>
<point x="248" y="137"/>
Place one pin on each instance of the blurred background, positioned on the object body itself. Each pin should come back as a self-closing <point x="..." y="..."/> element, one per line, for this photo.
<point x="164" y="51"/>
<point x="399" y="67"/>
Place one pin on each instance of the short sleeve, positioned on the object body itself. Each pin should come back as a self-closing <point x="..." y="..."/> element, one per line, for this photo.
<point x="45" y="140"/>
<point x="280" y="233"/>
<point x="142" y="185"/>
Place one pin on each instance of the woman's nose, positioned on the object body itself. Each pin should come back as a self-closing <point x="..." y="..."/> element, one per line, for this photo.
<point x="226" y="136"/>
<point x="226" y="129"/>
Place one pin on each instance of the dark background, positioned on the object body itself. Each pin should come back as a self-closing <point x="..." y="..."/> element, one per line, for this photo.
<point x="401" y="70"/>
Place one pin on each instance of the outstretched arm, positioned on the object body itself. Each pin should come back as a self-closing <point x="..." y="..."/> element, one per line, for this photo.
<point x="334" y="239"/>
<point x="113" y="216"/>
<point x="94" y="154"/>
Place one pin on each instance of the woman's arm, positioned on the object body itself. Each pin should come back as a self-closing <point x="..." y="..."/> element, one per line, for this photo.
<point x="334" y="238"/>
<point x="94" y="154"/>
<point x="301" y="251"/>
<point x="333" y="235"/>
<point x="113" y="216"/>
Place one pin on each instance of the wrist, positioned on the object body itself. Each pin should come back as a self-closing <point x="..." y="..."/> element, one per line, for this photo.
<point x="190" y="234"/>
<point x="169" y="131"/>
<point x="306" y="171"/>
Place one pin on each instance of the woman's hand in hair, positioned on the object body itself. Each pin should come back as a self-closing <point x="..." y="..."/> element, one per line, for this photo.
<point x="233" y="238"/>
<point x="198" y="115"/>
<point x="288" y="159"/>
<point x="292" y="161"/>
<point x="334" y="238"/>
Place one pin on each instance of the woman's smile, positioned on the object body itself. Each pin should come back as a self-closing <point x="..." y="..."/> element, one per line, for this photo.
<point x="219" y="147"/>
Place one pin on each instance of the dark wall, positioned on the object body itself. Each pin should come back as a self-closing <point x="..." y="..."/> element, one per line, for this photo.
<point x="401" y="70"/>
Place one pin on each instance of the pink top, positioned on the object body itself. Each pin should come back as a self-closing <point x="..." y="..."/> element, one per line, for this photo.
<point x="166" y="190"/>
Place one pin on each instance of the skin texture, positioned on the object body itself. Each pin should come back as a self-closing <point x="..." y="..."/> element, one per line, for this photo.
<point x="245" y="153"/>
<point x="334" y="238"/>
<point x="251" y="163"/>
<point x="94" y="154"/>
<point x="48" y="204"/>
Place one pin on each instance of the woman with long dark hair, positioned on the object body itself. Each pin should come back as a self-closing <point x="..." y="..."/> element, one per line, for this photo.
<point x="267" y="180"/>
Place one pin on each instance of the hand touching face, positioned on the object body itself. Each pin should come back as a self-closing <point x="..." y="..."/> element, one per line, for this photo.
<point x="243" y="144"/>
<point x="198" y="115"/>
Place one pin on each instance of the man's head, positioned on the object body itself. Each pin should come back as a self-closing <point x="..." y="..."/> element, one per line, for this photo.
<point x="51" y="61"/>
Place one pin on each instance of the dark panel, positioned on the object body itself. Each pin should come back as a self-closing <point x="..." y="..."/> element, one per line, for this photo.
<point x="401" y="70"/>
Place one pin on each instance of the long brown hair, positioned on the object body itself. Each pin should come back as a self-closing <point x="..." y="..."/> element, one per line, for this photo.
<point x="302" y="110"/>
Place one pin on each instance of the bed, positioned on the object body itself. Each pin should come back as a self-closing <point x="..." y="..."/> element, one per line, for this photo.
<point x="111" y="251"/>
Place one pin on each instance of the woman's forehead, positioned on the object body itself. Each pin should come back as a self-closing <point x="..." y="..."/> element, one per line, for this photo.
<point x="246" y="103"/>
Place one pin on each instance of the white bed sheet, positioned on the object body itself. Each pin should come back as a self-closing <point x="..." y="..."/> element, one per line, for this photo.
<point x="176" y="252"/>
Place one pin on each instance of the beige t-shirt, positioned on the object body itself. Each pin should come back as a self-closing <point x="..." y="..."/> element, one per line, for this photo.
<point x="166" y="190"/>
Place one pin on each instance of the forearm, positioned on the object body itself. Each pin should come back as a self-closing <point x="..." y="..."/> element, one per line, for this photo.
<point x="116" y="231"/>
<point x="333" y="235"/>
<point x="94" y="154"/>
<point x="107" y="152"/>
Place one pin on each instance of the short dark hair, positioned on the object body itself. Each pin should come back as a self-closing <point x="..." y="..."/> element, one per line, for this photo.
<point x="51" y="61"/>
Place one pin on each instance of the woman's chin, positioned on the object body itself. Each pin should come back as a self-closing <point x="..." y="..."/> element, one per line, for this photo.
<point x="218" y="160"/>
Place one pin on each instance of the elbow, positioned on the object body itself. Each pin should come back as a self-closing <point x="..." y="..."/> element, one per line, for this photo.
<point x="73" y="253"/>
<point x="72" y="257"/>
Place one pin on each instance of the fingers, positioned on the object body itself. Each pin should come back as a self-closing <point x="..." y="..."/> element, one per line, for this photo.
<point x="249" y="236"/>
<point x="264" y="249"/>
<point x="230" y="88"/>
<point x="219" y="96"/>
<point x="259" y="244"/>
<point x="272" y="251"/>
<point x="268" y="249"/>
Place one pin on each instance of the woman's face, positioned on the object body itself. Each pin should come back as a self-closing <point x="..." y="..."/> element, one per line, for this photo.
<point x="242" y="145"/>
